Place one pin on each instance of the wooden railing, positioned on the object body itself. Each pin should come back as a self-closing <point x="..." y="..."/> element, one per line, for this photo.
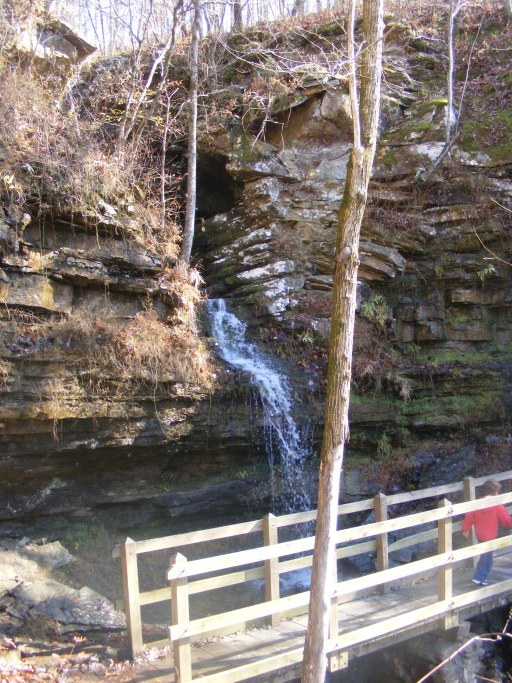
<point x="272" y="558"/>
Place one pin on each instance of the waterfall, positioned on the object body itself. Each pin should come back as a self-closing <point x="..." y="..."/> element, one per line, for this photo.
<point x="284" y="442"/>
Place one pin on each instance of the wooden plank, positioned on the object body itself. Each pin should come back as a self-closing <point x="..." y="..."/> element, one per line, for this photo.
<point x="420" y="566"/>
<point x="207" y="625"/>
<point x="292" y="565"/>
<point x="241" y="557"/>
<point x="180" y="614"/>
<point x="130" y="574"/>
<point x="199" y="586"/>
<point x="415" y="539"/>
<point x="201" y="627"/>
<point x="445" y="575"/>
<point x="443" y="490"/>
<point x="357" y="506"/>
<point x="356" y="549"/>
<point x="180" y="540"/>
<point x="342" y="642"/>
<point x="258" y="668"/>
<point x="381" y="540"/>
<point x="395" y="499"/>
<point x="343" y="509"/>
<point x="347" y="640"/>
<point x="444" y="545"/>
<point x="470" y="494"/>
<point x="214" y="582"/>
<point x="423" y="494"/>
<point x="346" y="535"/>
<point x="474" y="597"/>
<point x="189" y="538"/>
<point x="271" y="567"/>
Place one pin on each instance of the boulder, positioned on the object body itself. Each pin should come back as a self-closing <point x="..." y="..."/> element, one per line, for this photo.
<point x="52" y="555"/>
<point x="81" y="610"/>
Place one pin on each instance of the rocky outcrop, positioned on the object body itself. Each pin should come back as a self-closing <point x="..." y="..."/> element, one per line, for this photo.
<point x="434" y="295"/>
<point x="30" y="596"/>
<point x="434" y="246"/>
<point x="51" y="44"/>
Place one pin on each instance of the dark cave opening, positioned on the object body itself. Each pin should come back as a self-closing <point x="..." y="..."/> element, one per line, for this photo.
<point x="217" y="191"/>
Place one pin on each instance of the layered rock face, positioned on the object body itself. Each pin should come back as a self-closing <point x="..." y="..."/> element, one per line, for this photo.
<point x="435" y="286"/>
<point x="435" y="244"/>
<point x="73" y="302"/>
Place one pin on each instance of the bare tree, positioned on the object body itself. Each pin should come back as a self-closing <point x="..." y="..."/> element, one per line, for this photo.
<point x="450" y="117"/>
<point x="365" y="113"/>
<point x="190" y="211"/>
<point x="237" y="15"/>
<point x="298" y="8"/>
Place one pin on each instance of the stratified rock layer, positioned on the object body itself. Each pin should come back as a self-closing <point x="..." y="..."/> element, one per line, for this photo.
<point x="434" y="252"/>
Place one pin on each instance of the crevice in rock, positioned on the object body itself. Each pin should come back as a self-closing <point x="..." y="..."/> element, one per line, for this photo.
<point x="217" y="190"/>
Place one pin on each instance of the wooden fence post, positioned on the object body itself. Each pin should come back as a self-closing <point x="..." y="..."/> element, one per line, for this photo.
<point x="381" y="540"/>
<point x="271" y="567"/>
<point x="333" y="617"/>
<point x="180" y="615"/>
<point x="128" y="554"/>
<point x="469" y="487"/>
<point x="445" y="574"/>
<point x="338" y="660"/>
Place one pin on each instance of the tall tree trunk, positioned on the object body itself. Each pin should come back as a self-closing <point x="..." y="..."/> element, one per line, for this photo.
<point x="237" y="15"/>
<point x="336" y="431"/>
<point x="508" y="8"/>
<point x="455" y="7"/>
<point x="190" y="211"/>
<point x="298" y="8"/>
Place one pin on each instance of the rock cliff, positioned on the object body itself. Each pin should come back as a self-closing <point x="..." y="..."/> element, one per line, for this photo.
<point x="433" y="350"/>
<point x="435" y="257"/>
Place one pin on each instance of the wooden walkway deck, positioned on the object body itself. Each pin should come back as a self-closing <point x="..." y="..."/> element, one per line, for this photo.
<point x="216" y="654"/>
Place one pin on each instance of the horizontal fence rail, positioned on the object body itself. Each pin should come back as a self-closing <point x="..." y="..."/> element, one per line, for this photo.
<point x="272" y="558"/>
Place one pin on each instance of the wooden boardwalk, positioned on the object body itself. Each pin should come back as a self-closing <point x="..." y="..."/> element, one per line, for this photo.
<point x="263" y="640"/>
<point x="243" y="648"/>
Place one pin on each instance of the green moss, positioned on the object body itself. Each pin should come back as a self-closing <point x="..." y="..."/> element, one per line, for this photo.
<point x="459" y="318"/>
<point x="398" y="30"/>
<point x="465" y="409"/>
<point x="430" y="105"/>
<point x="245" y="151"/>
<point x="492" y="135"/>
<point x="472" y="133"/>
<point x="501" y="152"/>
<point x="504" y="116"/>
<point x="388" y="159"/>
<point x="330" y="28"/>
<point x="466" y="359"/>
<point x="419" y="44"/>
<point x="430" y="62"/>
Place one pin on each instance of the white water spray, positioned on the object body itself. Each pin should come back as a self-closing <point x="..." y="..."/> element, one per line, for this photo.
<point x="284" y="442"/>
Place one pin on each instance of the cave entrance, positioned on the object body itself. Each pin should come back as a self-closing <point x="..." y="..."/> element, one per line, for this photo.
<point x="217" y="191"/>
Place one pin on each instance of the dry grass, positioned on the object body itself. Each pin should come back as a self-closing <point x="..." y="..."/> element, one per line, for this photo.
<point x="144" y="350"/>
<point x="375" y="362"/>
<point x="5" y="371"/>
<point x="49" y="154"/>
<point x="45" y="149"/>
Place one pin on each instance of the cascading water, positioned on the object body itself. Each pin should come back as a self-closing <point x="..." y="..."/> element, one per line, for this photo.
<point x="284" y="441"/>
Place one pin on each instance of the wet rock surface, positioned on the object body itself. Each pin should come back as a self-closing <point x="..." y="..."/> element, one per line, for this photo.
<point x="30" y="595"/>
